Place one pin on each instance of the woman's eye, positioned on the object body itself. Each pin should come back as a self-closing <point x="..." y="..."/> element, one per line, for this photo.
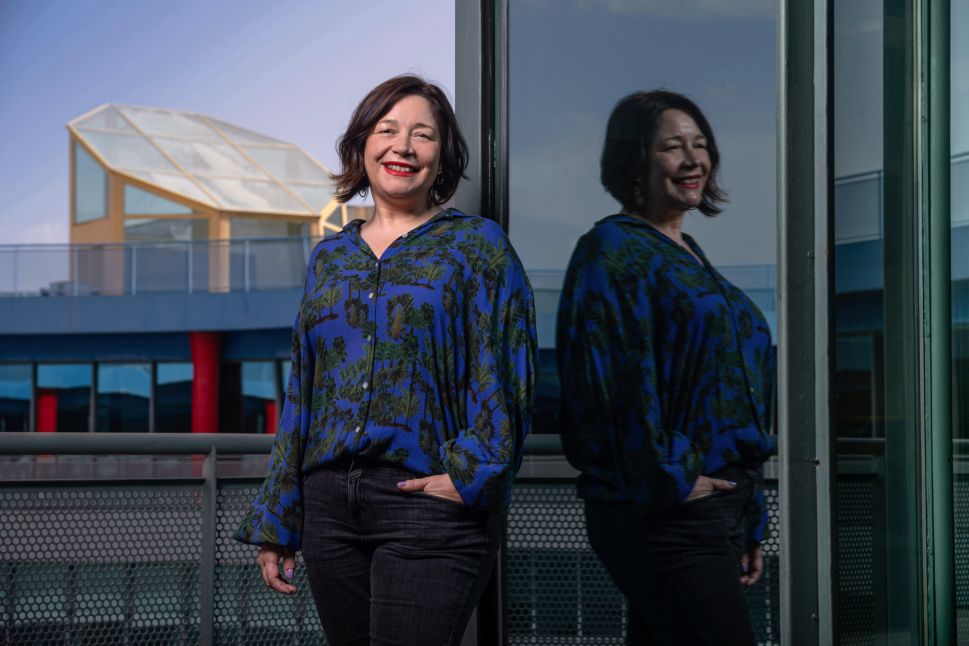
<point x="700" y="145"/>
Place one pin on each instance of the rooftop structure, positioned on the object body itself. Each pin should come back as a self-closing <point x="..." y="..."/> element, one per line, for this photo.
<point x="154" y="174"/>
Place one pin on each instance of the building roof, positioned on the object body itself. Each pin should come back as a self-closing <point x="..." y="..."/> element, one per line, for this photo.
<point x="212" y="162"/>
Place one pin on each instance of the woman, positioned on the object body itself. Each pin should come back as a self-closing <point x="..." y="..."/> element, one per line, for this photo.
<point x="410" y="393"/>
<point x="665" y="369"/>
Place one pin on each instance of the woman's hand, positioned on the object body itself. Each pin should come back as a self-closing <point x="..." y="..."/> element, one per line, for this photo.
<point x="440" y="486"/>
<point x="705" y="486"/>
<point x="751" y="565"/>
<point x="277" y="577"/>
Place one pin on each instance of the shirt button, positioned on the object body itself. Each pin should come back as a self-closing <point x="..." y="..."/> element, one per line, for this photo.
<point x="369" y="338"/>
<point x="370" y="295"/>
<point x="356" y="430"/>
<point x="404" y="236"/>
<point x="365" y="384"/>
<point x="377" y="264"/>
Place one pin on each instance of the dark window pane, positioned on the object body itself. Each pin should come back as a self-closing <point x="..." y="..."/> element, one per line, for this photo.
<point x="173" y="398"/>
<point x="63" y="397"/>
<point x="124" y="391"/>
<point x="14" y="397"/>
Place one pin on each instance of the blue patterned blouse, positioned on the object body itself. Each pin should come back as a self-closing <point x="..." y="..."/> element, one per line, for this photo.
<point x="666" y="368"/>
<point x="424" y="358"/>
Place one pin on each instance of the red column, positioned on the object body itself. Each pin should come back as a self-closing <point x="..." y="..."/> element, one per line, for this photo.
<point x="46" y="410"/>
<point x="206" y="353"/>
<point x="270" y="418"/>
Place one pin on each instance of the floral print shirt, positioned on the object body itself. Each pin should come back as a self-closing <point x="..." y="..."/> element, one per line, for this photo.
<point x="666" y="369"/>
<point x="424" y="358"/>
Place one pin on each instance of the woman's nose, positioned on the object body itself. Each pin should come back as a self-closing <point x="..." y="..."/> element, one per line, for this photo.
<point x="402" y="145"/>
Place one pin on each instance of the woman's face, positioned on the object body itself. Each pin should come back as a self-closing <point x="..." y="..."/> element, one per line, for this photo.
<point x="679" y="164"/>
<point x="402" y="154"/>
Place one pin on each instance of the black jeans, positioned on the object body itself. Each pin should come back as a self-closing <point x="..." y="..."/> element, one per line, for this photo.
<point x="388" y="567"/>
<point x="680" y="570"/>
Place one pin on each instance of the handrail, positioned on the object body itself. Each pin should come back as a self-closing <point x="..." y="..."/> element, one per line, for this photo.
<point x="179" y="444"/>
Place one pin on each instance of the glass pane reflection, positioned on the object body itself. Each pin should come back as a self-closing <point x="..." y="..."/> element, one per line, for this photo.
<point x="14" y="397"/>
<point x="123" y="397"/>
<point x="64" y="397"/>
<point x="173" y="397"/>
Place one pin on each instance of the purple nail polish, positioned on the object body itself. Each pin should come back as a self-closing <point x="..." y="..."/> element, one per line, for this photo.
<point x="732" y="483"/>
<point x="744" y="567"/>
<point x="290" y="572"/>
<point x="401" y="484"/>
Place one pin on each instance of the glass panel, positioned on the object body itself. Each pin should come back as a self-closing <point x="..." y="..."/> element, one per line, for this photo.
<point x="570" y="62"/>
<point x="166" y="267"/>
<point x="252" y="195"/>
<point x="316" y="196"/>
<point x="106" y="119"/>
<point x="90" y="187"/>
<point x="287" y="163"/>
<point x="256" y="228"/>
<point x="243" y="136"/>
<point x="875" y="316"/>
<point x="126" y="151"/>
<point x="171" y="124"/>
<point x="140" y="202"/>
<point x="173" y="398"/>
<point x="209" y="159"/>
<point x="14" y="397"/>
<point x="247" y="397"/>
<point x="285" y="366"/>
<point x="63" y="396"/>
<point x="857" y="208"/>
<point x="259" y="397"/>
<point x="179" y="184"/>
<point x="124" y="391"/>
<point x="959" y="142"/>
<point x="145" y="229"/>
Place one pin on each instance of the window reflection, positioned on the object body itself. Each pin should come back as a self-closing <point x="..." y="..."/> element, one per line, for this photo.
<point x="15" y="397"/>
<point x="123" y="397"/>
<point x="173" y="398"/>
<point x="90" y="187"/>
<point x="63" y="397"/>
<point x="248" y="397"/>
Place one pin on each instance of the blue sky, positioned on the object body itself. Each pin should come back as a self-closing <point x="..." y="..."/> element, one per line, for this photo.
<point x="292" y="69"/>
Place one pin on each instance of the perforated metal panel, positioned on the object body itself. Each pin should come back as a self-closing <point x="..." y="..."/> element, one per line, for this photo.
<point x="102" y="565"/>
<point x="961" y="504"/>
<point x="856" y="560"/>
<point x="247" y="613"/>
<point x="559" y="593"/>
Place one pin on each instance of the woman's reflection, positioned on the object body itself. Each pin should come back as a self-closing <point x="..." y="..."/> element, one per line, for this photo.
<point x="665" y="370"/>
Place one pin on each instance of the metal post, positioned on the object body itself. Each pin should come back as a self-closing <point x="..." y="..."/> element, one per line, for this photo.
<point x="134" y="268"/>
<point x="210" y="494"/>
<point x="191" y="265"/>
<point x="72" y="252"/>
<point x="16" y="271"/>
<point x="808" y="577"/>
<point x="934" y="193"/>
<point x="245" y="264"/>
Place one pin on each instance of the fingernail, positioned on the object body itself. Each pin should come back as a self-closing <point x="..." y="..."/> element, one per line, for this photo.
<point x="744" y="567"/>
<point x="290" y="572"/>
<point x="731" y="483"/>
<point x="401" y="484"/>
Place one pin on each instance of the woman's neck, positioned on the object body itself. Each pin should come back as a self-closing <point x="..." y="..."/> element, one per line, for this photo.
<point x="389" y="216"/>
<point x="671" y="225"/>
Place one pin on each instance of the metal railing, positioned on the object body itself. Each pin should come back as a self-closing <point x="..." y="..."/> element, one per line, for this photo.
<point x="144" y="554"/>
<point x="102" y="548"/>
<point x="129" y="268"/>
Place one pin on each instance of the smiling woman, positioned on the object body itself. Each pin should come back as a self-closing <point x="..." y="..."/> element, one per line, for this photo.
<point x="410" y="394"/>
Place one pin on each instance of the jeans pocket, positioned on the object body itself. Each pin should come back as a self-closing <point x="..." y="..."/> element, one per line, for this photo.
<point x="446" y="501"/>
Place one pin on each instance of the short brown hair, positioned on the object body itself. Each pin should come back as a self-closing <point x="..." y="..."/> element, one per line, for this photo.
<point x="454" y="150"/>
<point x="629" y="136"/>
